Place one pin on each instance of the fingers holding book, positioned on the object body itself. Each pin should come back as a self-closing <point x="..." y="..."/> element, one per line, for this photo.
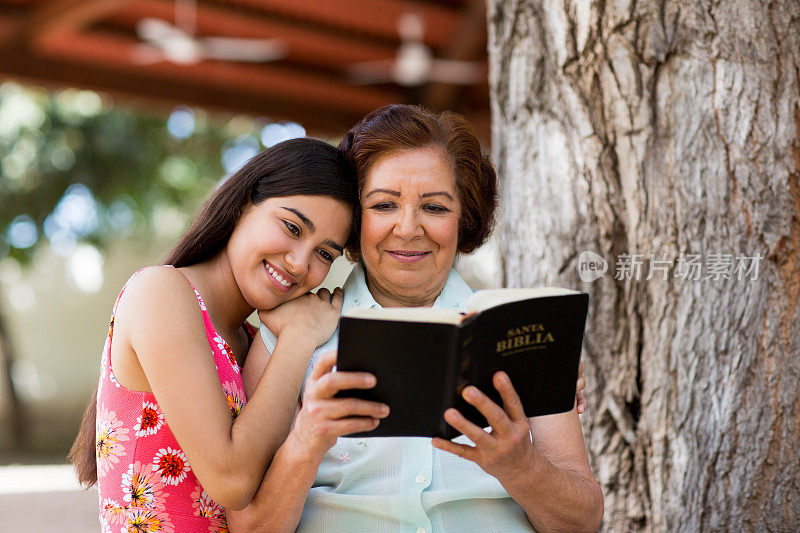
<point x="323" y="418"/>
<point x="324" y="364"/>
<point x="580" y="399"/>
<point x="505" y="451"/>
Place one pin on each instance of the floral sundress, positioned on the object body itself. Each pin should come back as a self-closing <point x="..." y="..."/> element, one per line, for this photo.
<point x="145" y="482"/>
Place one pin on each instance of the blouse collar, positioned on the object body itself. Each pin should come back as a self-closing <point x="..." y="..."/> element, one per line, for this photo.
<point x="356" y="293"/>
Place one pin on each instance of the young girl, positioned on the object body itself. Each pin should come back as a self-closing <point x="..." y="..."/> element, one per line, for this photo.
<point x="168" y="437"/>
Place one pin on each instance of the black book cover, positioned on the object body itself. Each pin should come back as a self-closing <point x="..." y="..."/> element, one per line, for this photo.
<point x="422" y="367"/>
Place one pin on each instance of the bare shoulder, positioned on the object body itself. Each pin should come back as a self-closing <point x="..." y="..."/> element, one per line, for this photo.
<point x="157" y="316"/>
<point x="156" y="277"/>
<point x="156" y="295"/>
<point x="158" y="283"/>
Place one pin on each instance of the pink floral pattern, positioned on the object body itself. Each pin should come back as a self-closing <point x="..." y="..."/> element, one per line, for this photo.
<point x="108" y="440"/>
<point x="218" y="525"/>
<point x="143" y="487"/>
<point x="223" y="347"/>
<point x="142" y="520"/>
<point x="172" y="465"/>
<point x="112" y="513"/>
<point x="150" y="421"/>
<point x="235" y="397"/>
<point x="203" y="505"/>
<point x="144" y="478"/>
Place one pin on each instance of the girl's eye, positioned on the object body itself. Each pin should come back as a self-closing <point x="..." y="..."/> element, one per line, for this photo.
<point x="326" y="255"/>
<point x="294" y="229"/>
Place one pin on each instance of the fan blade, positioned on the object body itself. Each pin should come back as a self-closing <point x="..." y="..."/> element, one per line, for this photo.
<point x="457" y="72"/>
<point x="175" y="44"/>
<point x="236" y="49"/>
<point x="413" y="63"/>
<point x="157" y="30"/>
<point x="367" y="72"/>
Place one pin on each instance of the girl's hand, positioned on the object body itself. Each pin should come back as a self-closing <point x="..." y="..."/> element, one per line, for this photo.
<point x="323" y="418"/>
<point x="314" y="316"/>
<point x="580" y="399"/>
<point x="507" y="451"/>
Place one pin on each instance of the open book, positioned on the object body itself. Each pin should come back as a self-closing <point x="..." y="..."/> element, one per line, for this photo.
<point x="424" y="357"/>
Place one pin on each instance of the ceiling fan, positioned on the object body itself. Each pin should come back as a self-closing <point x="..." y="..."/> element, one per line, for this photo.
<point x="415" y="63"/>
<point x="178" y="43"/>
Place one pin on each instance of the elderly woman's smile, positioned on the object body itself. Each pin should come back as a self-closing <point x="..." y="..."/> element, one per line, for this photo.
<point x="409" y="226"/>
<point x="407" y="256"/>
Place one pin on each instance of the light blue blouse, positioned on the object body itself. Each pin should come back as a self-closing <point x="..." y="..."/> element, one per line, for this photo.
<point x="402" y="483"/>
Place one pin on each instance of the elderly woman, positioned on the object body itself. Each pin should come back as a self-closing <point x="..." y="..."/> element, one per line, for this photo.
<point x="427" y="194"/>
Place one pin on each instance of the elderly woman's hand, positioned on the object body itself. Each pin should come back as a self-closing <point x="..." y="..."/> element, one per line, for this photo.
<point x="505" y="452"/>
<point x="580" y="399"/>
<point x="323" y="418"/>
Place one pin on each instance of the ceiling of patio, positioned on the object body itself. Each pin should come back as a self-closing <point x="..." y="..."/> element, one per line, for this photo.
<point x="92" y="43"/>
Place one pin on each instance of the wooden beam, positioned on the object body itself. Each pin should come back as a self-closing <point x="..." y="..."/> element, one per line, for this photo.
<point x="468" y="43"/>
<point x="376" y="18"/>
<point x="311" y="94"/>
<point x="300" y="85"/>
<point x="325" y="47"/>
<point x="254" y="90"/>
<point x="66" y="16"/>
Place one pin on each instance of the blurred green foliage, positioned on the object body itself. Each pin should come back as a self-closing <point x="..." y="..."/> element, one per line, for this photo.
<point x="125" y="164"/>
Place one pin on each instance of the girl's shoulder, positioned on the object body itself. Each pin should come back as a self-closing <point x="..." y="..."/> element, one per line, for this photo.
<point x="154" y="275"/>
<point x="161" y="281"/>
<point x="157" y="293"/>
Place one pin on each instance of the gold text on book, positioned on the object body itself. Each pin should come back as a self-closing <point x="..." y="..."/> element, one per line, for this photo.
<point x="522" y="338"/>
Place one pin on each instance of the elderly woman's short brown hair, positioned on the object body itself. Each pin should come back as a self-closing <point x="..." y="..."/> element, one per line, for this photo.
<point x="397" y="127"/>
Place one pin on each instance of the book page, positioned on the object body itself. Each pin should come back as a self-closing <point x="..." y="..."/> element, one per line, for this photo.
<point x="485" y="299"/>
<point x="407" y="314"/>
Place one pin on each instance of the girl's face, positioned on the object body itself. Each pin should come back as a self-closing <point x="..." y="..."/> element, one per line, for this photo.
<point x="283" y="247"/>
<point x="409" y="226"/>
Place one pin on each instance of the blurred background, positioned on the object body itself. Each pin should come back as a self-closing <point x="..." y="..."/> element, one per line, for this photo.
<point x="117" y="118"/>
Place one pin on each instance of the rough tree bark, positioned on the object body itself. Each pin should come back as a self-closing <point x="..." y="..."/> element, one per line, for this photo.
<point x="665" y="127"/>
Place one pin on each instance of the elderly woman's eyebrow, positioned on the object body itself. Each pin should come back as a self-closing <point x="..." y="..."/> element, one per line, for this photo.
<point x="437" y="193"/>
<point x="388" y="191"/>
<point x="302" y="217"/>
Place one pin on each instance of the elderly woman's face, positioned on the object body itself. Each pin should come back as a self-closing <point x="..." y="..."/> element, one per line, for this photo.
<point x="409" y="227"/>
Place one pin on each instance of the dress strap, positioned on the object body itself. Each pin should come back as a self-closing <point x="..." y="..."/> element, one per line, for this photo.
<point x="199" y="298"/>
<point x="106" y="359"/>
<point x="215" y="340"/>
<point x="121" y="292"/>
<point x="251" y="331"/>
<point x="201" y="303"/>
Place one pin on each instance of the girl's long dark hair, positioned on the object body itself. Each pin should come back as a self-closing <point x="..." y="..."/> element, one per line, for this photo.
<point x="305" y="167"/>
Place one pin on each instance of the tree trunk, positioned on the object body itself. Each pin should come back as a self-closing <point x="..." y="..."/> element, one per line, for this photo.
<point x="14" y="419"/>
<point x="667" y="129"/>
